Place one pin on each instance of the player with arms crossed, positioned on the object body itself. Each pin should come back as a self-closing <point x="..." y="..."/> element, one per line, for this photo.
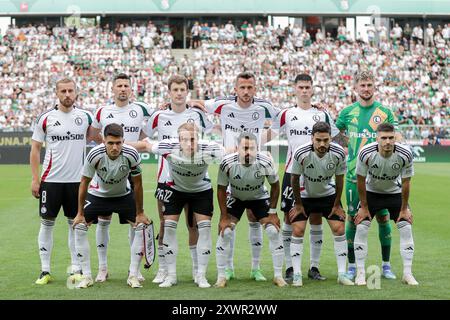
<point x="188" y="184"/>
<point x="317" y="162"/>
<point x="359" y="122"/>
<point x="108" y="166"/>
<point x="245" y="172"/>
<point x="131" y="116"/>
<point x="296" y="123"/>
<point x="384" y="172"/>
<point x="64" y="129"/>
<point x="166" y="123"/>
<point x="244" y="113"/>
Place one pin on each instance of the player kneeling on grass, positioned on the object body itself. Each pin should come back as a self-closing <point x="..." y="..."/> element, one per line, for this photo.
<point x="108" y="166"/>
<point x="384" y="170"/>
<point x="188" y="184"/>
<point x="245" y="173"/>
<point x="318" y="161"/>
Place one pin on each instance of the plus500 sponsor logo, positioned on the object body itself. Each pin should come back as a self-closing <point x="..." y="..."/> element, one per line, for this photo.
<point x="364" y="134"/>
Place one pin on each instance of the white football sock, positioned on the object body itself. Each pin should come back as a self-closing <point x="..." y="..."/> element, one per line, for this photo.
<point x="360" y="244"/>
<point x="222" y="249"/>
<point x="194" y="258"/>
<point x="296" y="254"/>
<point x="45" y="242"/>
<point x="315" y="244"/>
<point x="276" y="248"/>
<point x="102" y="241"/>
<point x="340" y="250"/>
<point x="171" y="246"/>
<point x="73" y="253"/>
<point x="82" y="248"/>
<point x="131" y="234"/>
<point x="137" y="250"/>
<point x="162" y="265"/>
<point x="286" y="232"/>
<point x="204" y="246"/>
<point x="230" y="257"/>
<point x="406" y="245"/>
<point x="256" y="241"/>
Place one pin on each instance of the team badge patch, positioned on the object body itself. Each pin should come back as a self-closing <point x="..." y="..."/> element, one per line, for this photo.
<point x="133" y="114"/>
<point x="395" y="166"/>
<point x="258" y="175"/>
<point x="190" y="120"/>
<point x="377" y="119"/>
<point x="330" y="166"/>
<point x="255" y="116"/>
<point x="316" y="118"/>
<point x="78" y="121"/>
<point x="123" y="168"/>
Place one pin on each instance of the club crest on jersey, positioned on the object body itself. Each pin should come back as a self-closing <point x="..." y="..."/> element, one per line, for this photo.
<point x="396" y="166"/>
<point x="190" y="120"/>
<point x="258" y="175"/>
<point x="133" y="114"/>
<point x="330" y="166"/>
<point x="123" y="168"/>
<point x="377" y="119"/>
<point x="255" y="116"/>
<point x="78" y="121"/>
<point x="316" y="117"/>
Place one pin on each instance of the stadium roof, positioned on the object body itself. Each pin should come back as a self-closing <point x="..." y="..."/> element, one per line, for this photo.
<point x="229" y="7"/>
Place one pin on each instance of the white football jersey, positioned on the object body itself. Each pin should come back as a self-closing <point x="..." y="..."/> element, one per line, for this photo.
<point x="166" y="123"/>
<point x="189" y="174"/>
<point x="318" y="172"/>
<point x="131" y="117"/>
<point x="234" y="119"/>
<point x="296" y="123"/>
<point x="110" y="177"/>
<point x="383" y="175"/>
<point x="64" y="135"/>
<point x="247" y="182"/>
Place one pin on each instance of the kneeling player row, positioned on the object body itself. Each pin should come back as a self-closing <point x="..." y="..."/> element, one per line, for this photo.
<point x="244" y="174"/>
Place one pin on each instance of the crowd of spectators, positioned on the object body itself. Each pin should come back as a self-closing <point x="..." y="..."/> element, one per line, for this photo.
<point x="411" y="72"/>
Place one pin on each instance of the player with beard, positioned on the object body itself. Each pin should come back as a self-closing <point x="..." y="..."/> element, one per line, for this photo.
<point x="64" y="130"/>
<point x="358" y="124"/>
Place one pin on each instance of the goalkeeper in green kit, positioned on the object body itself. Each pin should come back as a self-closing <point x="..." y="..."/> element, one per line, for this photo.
<point x="358" y="124"/>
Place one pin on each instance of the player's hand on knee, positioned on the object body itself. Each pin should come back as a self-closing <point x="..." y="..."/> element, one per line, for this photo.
<point x="142" y="218"/>
<point x="273" y="219"/>
<point x="295" y="211"/>
<point x="223" y="224"/>
<point x="79" y="219"/>
<point x="337" y="210"/>
<point x="361" y="215"/>
<point x="405" y="215"/>
<point x="35" y="186"/>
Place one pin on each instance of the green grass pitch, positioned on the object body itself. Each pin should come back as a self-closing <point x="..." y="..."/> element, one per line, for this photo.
<point x="19" y="258"/>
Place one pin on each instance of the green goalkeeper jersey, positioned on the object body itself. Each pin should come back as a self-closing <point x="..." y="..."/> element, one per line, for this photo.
<point x="360" y="124"/>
